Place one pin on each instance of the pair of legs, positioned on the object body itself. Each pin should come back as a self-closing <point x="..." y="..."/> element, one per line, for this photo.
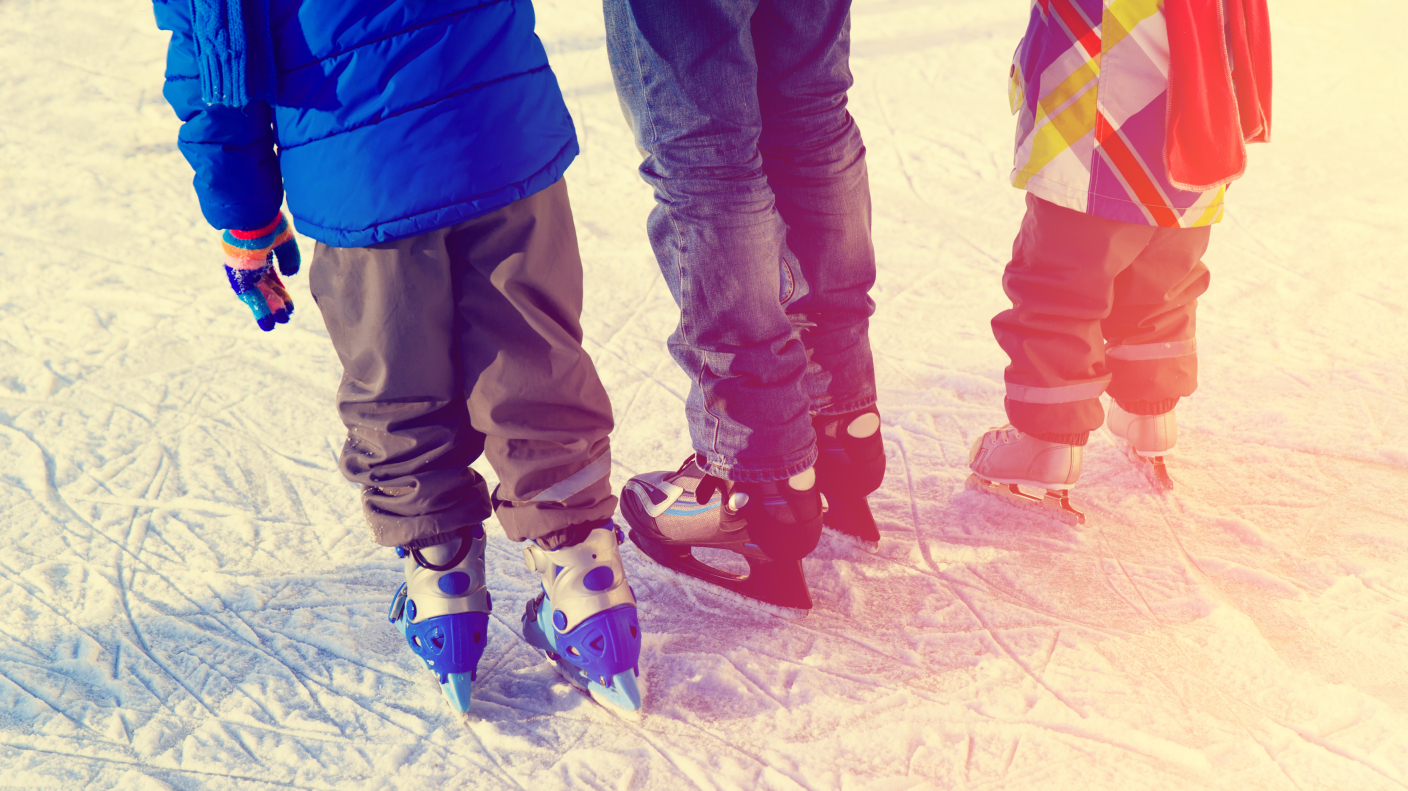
<point x="462" y="341"/>
<point x="1097" y="306"/>
<point x="762" y="218"/>
<point x="762" y="232"/>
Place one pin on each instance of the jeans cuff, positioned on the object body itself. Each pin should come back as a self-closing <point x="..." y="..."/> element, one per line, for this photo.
<point x="759" y="472"/>
<point x="846" y="407"/>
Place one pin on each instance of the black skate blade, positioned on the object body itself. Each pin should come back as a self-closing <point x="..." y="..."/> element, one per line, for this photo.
<point x="850" y="520"/>
<point x="1056" y="502"/>
<point x="779" y="584"/>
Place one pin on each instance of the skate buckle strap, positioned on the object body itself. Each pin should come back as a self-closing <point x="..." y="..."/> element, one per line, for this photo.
<point x="704" y="492"/>
<point x="466" y="542"/>
<point x="583" y="579"/>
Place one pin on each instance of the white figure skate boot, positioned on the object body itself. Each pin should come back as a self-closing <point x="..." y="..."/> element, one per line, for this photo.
<point x="1147" y="439"/>
<point x="1004" y="459"/>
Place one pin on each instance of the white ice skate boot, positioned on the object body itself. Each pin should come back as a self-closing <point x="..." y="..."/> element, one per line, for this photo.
<point x="585" y="618"/>
<point x="1147" y="439"/>
<point x="442" y="609"/>
<point x="1004" y="459"/>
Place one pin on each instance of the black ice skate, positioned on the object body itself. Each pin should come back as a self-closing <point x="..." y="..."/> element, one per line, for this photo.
<point x="771" y="525"/>
<point x="1004" y="459"/>
<point x="849" y="466"/>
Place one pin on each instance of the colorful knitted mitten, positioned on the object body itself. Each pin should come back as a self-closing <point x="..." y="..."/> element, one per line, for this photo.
<point x="249" y="257"/>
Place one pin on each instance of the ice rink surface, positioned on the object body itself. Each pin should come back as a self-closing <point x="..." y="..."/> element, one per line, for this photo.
<point x="189" y="599"/>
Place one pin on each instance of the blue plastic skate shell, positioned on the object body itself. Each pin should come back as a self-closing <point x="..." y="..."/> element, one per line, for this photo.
<point x="450" y="645"/>
<point x="600" y="655"/>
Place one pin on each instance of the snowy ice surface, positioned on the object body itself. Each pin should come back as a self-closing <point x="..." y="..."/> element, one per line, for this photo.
<point x="189" y="599"/>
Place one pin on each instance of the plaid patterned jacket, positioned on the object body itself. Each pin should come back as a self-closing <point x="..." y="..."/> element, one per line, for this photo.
<point x="1089" y="85"/>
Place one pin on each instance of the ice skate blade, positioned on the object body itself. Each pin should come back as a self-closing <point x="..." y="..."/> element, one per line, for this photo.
<point x="626" y="683"/>
<point x="1151" y="465"/>
<point x="457" y="688"/>
<point x="1056" y="502"/>
<point x="732" y="597"/>
<point x="1158" y="473"/>
<point x="622" y="698"/>
<point x="778" y="587"/>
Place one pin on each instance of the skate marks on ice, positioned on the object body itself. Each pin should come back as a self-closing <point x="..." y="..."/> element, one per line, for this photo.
<point x="188" y="598"/>
<point x="1201" y="616"/>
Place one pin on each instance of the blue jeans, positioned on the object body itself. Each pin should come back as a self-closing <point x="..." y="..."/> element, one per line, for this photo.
<point x="762" y="217"/>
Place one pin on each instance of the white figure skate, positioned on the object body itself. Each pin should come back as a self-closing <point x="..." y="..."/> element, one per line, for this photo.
<point x="1147" y="439"/>
<point x="1004" y="459"/>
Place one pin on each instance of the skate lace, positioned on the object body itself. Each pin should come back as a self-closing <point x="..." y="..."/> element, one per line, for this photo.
<point x="1007" y="435"/>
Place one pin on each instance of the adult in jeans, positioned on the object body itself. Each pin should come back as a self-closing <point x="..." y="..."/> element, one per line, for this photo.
<point x="762" y="230"/>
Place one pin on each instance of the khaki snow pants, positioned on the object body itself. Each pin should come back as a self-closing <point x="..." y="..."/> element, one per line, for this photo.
<point x="1097" y="306"/>
<point x="462" y="341"/>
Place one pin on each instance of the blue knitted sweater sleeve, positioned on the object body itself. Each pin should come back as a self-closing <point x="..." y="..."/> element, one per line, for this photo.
<point x="231" y="148"/>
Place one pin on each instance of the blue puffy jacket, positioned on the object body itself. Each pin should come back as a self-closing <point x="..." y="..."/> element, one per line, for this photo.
<point x="391" y="118"/>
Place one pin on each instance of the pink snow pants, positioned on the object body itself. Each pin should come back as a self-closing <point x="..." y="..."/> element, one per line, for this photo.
<point x="1097" y="306"/>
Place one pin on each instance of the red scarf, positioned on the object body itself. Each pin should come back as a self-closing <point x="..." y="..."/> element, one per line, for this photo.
<point x="1219" y="89"/>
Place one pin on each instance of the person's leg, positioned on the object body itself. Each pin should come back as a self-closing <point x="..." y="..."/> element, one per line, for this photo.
<point x="390" y="312"/>
<point x="1061" y="283"/>
<point x="1151" y="346"/>
<point x="532" y="389"/>
<point x="814" y="161"/>
<point x="534" y="393"/>
<point x="815" y="164"/>
<point x="687" y="77"/>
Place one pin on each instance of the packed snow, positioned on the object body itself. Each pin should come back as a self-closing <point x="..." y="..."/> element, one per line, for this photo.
<point x="189" y="597"/>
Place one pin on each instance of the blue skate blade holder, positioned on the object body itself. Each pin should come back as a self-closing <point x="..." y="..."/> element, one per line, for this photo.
<point x="601" y="654"/>
<point x="450" y="645"/>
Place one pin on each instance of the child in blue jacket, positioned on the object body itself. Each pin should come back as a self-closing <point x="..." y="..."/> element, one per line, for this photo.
<point x="423" y="146"/>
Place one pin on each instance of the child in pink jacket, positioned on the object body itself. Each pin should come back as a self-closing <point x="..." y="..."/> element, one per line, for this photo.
<point x="1132" y="119"/>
